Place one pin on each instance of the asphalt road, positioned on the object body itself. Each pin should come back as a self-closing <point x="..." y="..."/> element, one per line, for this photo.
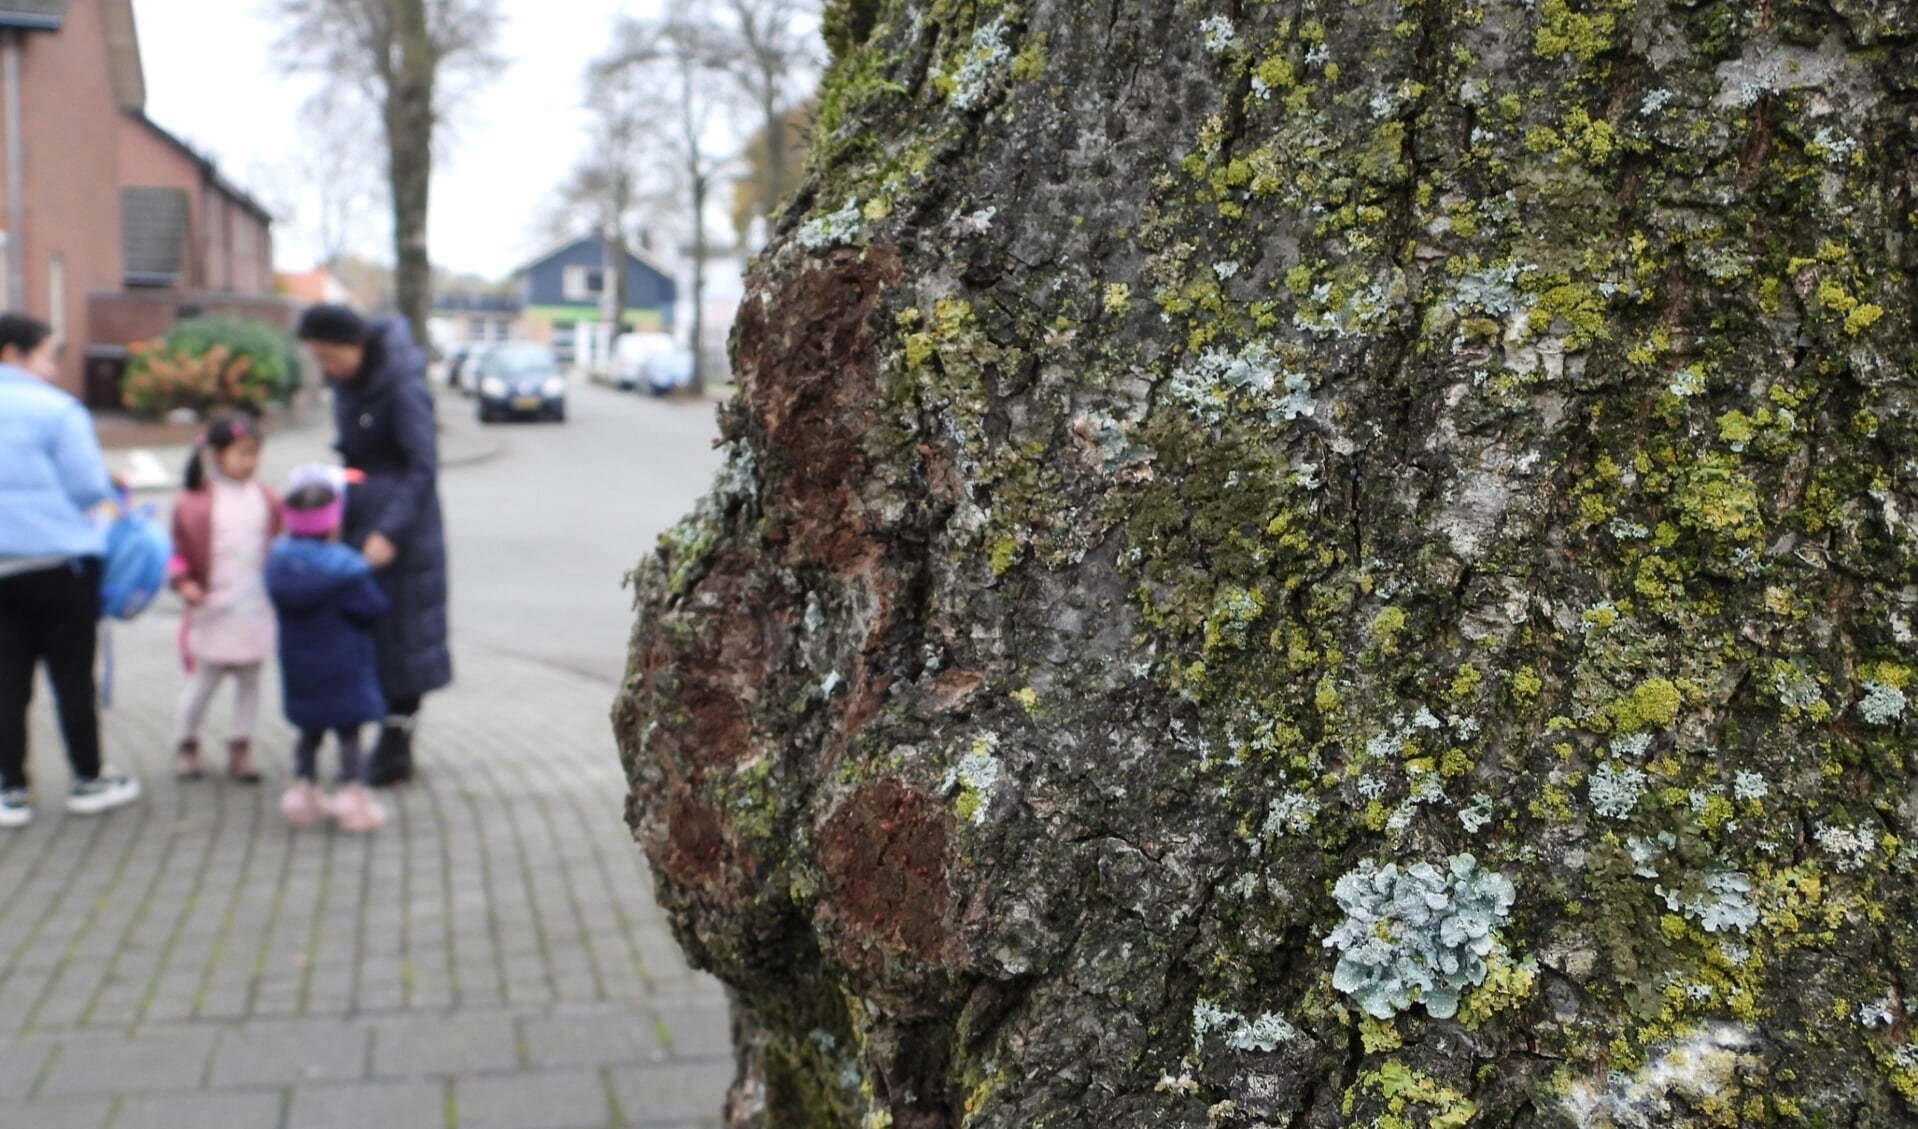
<point x="541" y="538"/>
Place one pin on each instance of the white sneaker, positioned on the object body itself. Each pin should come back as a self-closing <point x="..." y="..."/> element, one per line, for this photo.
<point x="103" y="793"/>
<point x="16" y="807"/>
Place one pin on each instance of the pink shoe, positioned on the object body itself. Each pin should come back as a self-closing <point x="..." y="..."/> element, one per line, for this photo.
<point x="302" y="804"/>
<point x="355" y="810"/>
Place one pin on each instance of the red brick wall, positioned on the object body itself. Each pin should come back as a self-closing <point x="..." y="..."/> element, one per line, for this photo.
<point x="148" y="161"/>
<point x="215" y="241"/>
<point x="124" y="317"/>
<point x="252" y="254"/>
<point x="70" y="125"/>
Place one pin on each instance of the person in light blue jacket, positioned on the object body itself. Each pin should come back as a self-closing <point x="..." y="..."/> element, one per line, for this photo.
<point x="51" y="475"/>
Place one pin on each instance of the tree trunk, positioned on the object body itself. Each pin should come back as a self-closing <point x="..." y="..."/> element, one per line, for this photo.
<point x="775" y="147"/>
<point x="409" y="139"/>
<point x="697" y="385"/>
<point x="1313" y="564"/>
<point x="617" y="253"/>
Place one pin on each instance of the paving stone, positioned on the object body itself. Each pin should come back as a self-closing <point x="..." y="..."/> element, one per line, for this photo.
<point x="83" y="1113"/>
<point x="696" y="1030"/>
<point x="279" y="1054"/>
<point x="158" y="1060"/>
<point x="571" y="1099"/>
<point x="21" y="1064"/>
<point x="421" y="1045"/>
<point x="617" y="1039"/>
<point x="379" y="996"/>
<point x="655" y="1095"/>
<point x="377" y="1105"/>
<point x="201" y="1111"/>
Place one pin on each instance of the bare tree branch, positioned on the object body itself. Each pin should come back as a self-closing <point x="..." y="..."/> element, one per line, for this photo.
<point x="679" y="65"/>
<point x="775" y="58"/>
<point x="400" y="56"/>
<point x="340" y="176"/>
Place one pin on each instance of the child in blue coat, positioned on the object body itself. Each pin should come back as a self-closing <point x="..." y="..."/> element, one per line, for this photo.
<point x="328" y="604"/>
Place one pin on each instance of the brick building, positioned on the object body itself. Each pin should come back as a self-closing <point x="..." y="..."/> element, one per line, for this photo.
<point x="113" y="228"/>
<point x="184" y="226"/>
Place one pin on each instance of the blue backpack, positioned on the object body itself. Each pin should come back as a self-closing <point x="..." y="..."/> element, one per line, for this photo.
<point x="134" y="569"/>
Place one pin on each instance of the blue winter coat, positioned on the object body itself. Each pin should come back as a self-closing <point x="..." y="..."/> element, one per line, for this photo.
<point x="50" y="471"/>
<point x="329" y="607"/>
<point x="387" y="431"/>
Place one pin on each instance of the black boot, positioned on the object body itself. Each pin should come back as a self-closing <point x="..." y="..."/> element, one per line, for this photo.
<point x="393" y="758"/>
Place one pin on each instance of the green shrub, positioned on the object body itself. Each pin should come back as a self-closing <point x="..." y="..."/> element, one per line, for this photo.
<point x="274" y="354"/>
<point x="253" y="363"/>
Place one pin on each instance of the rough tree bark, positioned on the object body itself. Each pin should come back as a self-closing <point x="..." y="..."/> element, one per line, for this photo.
<point x="1202" y="470"/>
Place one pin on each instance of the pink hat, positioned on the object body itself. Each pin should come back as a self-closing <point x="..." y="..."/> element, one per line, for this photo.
<point x="320" y="522"/>
<point x="315" y="523"/>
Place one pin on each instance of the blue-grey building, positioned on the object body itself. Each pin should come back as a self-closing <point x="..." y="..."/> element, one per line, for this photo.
<point x="566" y="287"/>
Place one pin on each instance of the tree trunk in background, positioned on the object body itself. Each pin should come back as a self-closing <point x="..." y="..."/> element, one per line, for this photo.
<point x="697" y="384"/>
<point x="1201" y="471"/>
<point x="410" y="116"/>
<point x="617" y="250"/>
<point x="775" y="127"/>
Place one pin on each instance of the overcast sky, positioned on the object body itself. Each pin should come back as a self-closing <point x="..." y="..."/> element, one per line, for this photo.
<point x="211" y="80"/>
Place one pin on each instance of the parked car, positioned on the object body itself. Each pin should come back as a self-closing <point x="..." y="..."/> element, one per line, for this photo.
<point x="519" y="379"/>
<point x="663" y="372"/>
<point x="455" y="357"/>
<point x="630" y="354"/>
<point x="462" y="362"/>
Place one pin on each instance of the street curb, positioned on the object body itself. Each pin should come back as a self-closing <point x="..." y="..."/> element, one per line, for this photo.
<point x="482" y="452"/>
<point x="464" y="443"/>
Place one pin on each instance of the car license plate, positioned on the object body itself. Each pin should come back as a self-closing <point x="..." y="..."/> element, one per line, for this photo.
<point x="527" y="403"/>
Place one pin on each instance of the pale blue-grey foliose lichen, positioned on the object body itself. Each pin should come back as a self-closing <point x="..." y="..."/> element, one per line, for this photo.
<point x="1718" y="900"/>
<point x="980" y="65"/>
<point x="1220" y="35"/>
<point x="1262" y="1034"/>
<point x="1615" y="790"/>
<point x="832" y="229"/>
<point x="1881" y="704"/>
<point x="1219" y="380"/>
<point x="1416" y="935"/>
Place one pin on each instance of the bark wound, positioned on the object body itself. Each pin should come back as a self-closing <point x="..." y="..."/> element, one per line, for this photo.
<point x="698" y="845"/>
<point x="806" y="377"/>
<point x="717" y="670"/>
<point x="883" y="853"/>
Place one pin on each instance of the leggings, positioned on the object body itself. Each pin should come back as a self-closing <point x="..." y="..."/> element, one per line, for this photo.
<point x="306" y="755"/>
<point x="205" y="682"/>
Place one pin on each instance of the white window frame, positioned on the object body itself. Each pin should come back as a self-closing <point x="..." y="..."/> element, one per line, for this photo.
<point x="573" y="284"/>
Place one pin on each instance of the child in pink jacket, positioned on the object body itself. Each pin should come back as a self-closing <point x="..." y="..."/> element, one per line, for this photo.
<point x="223" y="524"/>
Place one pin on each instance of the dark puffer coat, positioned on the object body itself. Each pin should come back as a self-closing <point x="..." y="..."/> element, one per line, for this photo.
<point x="329" y="607"/>
<point x="387" y="431"/>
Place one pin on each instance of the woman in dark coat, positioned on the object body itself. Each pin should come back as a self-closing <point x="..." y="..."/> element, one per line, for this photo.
<point x="383" y="409"/>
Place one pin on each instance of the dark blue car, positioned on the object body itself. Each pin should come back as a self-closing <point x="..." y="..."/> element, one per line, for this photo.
<point x="519" y="380"/>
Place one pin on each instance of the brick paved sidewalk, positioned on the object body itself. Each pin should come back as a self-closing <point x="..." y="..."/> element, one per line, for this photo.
<point x="492" y="959"/>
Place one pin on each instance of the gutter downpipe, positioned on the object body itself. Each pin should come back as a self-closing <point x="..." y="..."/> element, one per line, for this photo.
<point x="16" y="275"/>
